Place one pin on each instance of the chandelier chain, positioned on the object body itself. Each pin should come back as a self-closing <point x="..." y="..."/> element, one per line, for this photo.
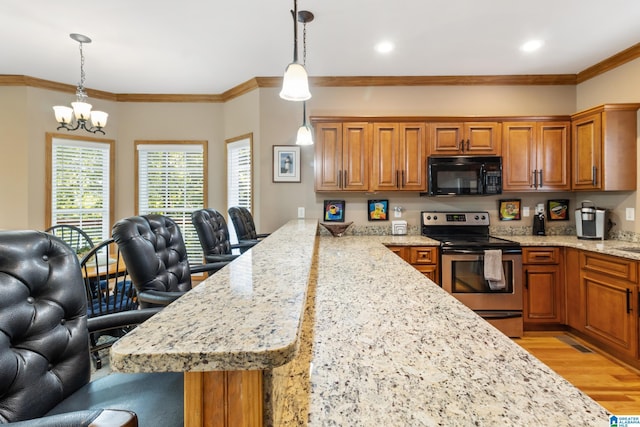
<point x="304" y="44"/>
<point x="80" y="93"/>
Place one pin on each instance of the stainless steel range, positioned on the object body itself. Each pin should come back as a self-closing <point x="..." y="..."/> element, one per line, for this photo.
<point x="483" y="272"/>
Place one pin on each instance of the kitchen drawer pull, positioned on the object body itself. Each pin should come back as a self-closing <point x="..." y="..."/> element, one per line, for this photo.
<point x="628" y="300"/>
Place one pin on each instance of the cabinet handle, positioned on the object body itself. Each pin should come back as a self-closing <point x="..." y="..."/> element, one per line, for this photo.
<point x="402" y="180"/>
<point x="397" y="179"/>
<point x="540" y="172"/>
<point x="638" y="304"/>
<point x="468" y="145"/>
<point x="628" y="300"/>
<point x="535" y="179"/>
<point x="526" y="279"/>
<point x="339" y="179"/>
<point x="345" y="179"/>
<point x="461" y="145"/>
<point x="594" y="171"/>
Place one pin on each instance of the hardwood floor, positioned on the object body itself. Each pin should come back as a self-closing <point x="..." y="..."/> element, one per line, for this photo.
<point x="611" y="383"/>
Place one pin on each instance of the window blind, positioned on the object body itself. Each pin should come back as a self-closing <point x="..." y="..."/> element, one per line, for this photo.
<point x="239" y="185"/>
<point x="80" y="186"/>
<point x="171" y="183"/>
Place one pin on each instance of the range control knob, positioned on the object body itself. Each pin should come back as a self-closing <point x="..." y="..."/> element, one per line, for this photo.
<point x="435" y="217"/>
<point x="477" y="217"/>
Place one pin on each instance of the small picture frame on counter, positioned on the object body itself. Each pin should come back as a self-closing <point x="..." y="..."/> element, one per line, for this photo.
<point x="558" y="210"/>
<point x="378" y="210"/>
<point x="334" y="210"/>
<point x="509" y="209"/>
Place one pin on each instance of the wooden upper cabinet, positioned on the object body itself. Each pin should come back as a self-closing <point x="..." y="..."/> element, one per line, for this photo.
<point x="604" y="148"/>
<point x="464" y="138"/>
<point x="535" y="156"/>
<point x="398" y="157"/>
<point x="342" y="156"/>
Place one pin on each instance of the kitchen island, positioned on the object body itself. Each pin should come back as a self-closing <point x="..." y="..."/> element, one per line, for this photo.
<point x="350" y="335"/>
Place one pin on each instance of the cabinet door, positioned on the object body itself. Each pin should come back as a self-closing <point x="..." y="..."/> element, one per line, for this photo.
<point x="587" y="153"/>
<point x="401" y="251"/>
<point x="412" y="158"/>
<point x="328" y="156"/>
<point x="446" y="138"/>
<point x="482" y="138"/>
<point x="355" y="156"/>
<point x="553" y="162"/>
<point x="610" y="313"/>
<point x="518" y="156"/>
<point x="543" y="300"/>
<point x="385" y="174"/>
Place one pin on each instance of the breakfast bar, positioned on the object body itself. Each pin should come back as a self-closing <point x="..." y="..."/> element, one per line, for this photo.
<point x="316" y="330"/>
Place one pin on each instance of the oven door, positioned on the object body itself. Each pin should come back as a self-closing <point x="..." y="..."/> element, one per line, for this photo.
<point x="463" y="277"/>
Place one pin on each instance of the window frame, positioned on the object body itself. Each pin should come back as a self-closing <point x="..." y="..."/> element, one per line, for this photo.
<point x="49" y="139"/>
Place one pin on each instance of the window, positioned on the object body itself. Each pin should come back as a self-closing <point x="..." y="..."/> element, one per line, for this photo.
<point x="171" y="180"/>
<point x="239" y="179"/>
<point x="80" y="183"/>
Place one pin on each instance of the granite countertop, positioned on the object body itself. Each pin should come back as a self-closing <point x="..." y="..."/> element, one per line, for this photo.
<point x="609" y="247"/>
<point x="384" y="345"/>
<point x="245" y="316"/>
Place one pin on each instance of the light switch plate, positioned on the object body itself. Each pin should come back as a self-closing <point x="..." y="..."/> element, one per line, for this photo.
<point x="630" y="214"/>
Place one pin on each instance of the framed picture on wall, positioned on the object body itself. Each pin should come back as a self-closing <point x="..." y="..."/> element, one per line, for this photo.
<point x="333" y="210"/>
<point x="378" y="210"/>
<point x="558" y="210"/>
<point x="286" y="163"/>
<point x="509" y="210"/>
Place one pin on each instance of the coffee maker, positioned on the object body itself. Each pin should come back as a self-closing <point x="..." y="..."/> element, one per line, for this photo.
<point x="538" y="220"/>
<point x="590" y="221"/>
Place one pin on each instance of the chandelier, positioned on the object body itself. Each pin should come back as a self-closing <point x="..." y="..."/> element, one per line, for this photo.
<point x="295" y="84"/>
<point x="81" y="110"/>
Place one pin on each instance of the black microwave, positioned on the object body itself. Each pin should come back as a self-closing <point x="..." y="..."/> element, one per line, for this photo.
<point x="464" y="175"/>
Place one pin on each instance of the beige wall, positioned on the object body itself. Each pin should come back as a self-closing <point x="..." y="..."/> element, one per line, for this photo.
<point x="26" y="115"/>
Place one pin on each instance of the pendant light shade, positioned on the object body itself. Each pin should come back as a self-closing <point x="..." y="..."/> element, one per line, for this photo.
<point x="305" y="136"/>
<point x="295" y="85"/>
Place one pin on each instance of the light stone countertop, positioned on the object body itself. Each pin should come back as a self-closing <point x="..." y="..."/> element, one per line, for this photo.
<point x="382" y="345"/>
<point x="609" y="247"/>
<point x="379" y="344"/>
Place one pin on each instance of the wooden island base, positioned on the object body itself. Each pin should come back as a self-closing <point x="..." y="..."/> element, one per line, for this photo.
<point x="223" y="399"/>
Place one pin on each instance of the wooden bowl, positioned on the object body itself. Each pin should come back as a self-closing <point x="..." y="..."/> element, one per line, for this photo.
<point x="336" y="230"/>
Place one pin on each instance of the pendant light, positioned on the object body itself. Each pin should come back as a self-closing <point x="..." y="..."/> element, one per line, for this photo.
<point x="295" y="84"/>
<point x="81" y="109"/>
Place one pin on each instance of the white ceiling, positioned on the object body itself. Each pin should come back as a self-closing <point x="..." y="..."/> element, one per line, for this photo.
<point x="208" y="47"/>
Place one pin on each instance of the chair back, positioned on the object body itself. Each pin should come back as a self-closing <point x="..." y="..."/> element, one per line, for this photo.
<point x="107" y="284"/>
<point x="44" y="343"/>
<point x="243" y="223"/>
<point x="154" y="251"/>
<point x="73" y="236"/>
<point x="212" y="232"/>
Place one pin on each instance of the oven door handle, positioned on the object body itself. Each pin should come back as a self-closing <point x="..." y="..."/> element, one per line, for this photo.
<point x="449" y="251"/>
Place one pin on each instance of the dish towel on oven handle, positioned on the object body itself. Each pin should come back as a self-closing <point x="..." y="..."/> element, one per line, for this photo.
<point x="493" y="270"/>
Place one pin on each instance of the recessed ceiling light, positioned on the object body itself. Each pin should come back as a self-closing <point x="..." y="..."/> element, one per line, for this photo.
<point x="531" y="45"/>
<point x="384" y="47"/>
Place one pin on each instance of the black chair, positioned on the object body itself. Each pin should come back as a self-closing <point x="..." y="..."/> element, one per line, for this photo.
<point x="72" y="236"/>
<point x="108" y="291"/>
<point x="45" y="365"/>
<point x="244" y="224"/>
<point x="214" y="236"/>
<point x="154" y="251"/>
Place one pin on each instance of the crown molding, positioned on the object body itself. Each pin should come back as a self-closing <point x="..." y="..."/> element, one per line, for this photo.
<point x="608" y="64"/>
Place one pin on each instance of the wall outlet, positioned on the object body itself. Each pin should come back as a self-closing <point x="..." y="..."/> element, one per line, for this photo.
<point x="300" y="212"/>
<point x="630" y="214"/>
<point x="525" y="211"/>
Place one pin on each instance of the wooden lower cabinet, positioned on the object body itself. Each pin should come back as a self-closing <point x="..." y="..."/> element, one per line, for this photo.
<point x="423" y="258"/>
<point x="609" y="300"/>
<point x="543" y="287"/>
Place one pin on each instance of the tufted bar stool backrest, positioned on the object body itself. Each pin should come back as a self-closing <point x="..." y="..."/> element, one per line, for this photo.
<point x="44" y="340"/>
<point x="243" y="223"/>
<point x="154" y="252"/>
<point x="212" y="231"/>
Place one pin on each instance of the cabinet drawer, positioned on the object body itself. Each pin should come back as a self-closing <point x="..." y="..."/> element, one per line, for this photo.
<point x="423" y="255"/>
<point x="610" y="266"/>
<point x="540" y="255"/>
